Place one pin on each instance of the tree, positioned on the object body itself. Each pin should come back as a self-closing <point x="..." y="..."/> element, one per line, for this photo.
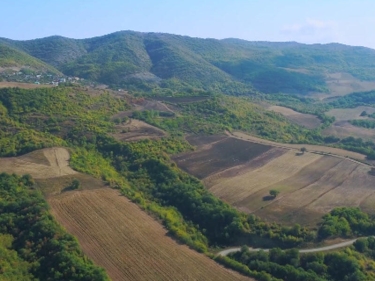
<point x="303" y="149"/>
<point x="75" y="184"/>
<point x="364" y="113"/>
<point x="274" y="193"/>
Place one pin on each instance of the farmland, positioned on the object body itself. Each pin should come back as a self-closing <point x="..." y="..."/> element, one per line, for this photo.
<point x="128" y="243"/>
<point x="115" y="233"/>
<point x="307" y="120"/>
<point x="341" y="84"/>
<point x="41" y="164"/>
<point x="310" y="184"/>
<point x="344" y="114"/>
<point x="135" y="130"/>
<point x="22" y="85"/>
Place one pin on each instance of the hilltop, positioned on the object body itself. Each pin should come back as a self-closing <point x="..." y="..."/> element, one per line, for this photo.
<point x="144" y="61"/>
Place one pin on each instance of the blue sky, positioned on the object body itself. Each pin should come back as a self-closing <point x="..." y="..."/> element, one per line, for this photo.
<point x="307" y="21"/>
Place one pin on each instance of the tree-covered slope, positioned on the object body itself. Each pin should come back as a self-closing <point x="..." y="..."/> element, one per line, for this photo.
<point x="228" y="65"/>
<point x="12" y="57"/>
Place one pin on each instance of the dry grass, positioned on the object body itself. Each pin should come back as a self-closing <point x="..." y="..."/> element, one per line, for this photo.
<point x="345" y="114"/>
<point x="128" y="243"/>
<point x="22" y="85"/>
<point x="41" y="164"/>
<point x="137" y="130"/>
<point x="344" y="129"/>
<point x="307" y="120"/>
<point x="341" y="84"/>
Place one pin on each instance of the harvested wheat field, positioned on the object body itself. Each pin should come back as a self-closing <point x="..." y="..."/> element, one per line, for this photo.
<point x="135" y="130"/>
<point x="310" y="184"/>
<point x="117" y="235"/>
<point x="40" y="164"/>
<point x="307" y="120"/>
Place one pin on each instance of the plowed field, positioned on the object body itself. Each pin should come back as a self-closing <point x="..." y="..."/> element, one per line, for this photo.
<point x="127" y="242"/>
<point x="310" y="184"/>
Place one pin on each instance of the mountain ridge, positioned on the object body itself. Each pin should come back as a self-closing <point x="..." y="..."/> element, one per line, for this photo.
<point x="232" y="66"/>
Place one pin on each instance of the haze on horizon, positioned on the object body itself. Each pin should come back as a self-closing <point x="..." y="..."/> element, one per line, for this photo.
<point x="343" y="21"/>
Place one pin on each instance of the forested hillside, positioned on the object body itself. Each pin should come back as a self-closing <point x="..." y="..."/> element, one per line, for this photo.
<point x="232" y="66"/>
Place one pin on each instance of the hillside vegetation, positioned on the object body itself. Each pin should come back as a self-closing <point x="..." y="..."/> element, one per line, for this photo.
<point x="232" y="66"/>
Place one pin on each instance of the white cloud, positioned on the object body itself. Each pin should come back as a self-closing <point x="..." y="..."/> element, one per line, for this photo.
<point x="311" y="31"/>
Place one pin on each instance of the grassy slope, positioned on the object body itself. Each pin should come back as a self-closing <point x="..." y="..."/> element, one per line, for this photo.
<point x="11" y="57"/>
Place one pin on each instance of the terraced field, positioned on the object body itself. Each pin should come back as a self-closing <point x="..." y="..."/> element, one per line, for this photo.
<point x="310" y="184"/>
<point x="127" y="242"/>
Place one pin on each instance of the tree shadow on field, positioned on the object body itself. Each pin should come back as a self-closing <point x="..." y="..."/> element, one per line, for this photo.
<point x="372" y="172"/>
<point x="299" y="153"/>
<point x="268" y="198"/>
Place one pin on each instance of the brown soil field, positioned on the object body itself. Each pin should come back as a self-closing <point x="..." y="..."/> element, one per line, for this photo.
<point x="40" y="164"/>
<point x="307" y="120"/>
<point x="345" y="114"/>
<point x="117" y="235"/>
<point x="341" y="84"/>
<point x="310" y="184"/>
<point x="219" y="154"/>
<point x="312" y="148"/>
<point x="137" y="130"/>
<point x="22" y="85"/>
<point x="343" y="129"/>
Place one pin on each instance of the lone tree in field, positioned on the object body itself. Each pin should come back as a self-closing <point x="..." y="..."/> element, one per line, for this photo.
<point x="274" y="193"/>
<point x="303" y="150"/>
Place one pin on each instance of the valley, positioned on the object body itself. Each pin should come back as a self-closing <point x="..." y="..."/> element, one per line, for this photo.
<point x="157" y="151"/>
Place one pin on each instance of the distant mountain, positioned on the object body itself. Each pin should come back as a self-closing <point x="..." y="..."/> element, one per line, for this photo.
<point x="229" y="65"/>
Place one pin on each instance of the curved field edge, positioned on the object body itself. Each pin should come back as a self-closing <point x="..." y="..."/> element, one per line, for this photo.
<point x="128" y="243"/>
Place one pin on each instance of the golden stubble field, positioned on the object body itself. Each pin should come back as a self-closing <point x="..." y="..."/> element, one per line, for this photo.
<point x="127" y="242"/>
<point x="112" y="231"/>
<point x="310" y="184"/>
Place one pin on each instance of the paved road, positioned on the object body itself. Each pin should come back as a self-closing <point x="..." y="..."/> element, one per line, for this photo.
<point x="312" y="250"/>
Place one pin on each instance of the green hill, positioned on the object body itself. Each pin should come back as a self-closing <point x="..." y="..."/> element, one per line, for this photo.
<point x="232" y="66"/>
<point x="11" y="57"/>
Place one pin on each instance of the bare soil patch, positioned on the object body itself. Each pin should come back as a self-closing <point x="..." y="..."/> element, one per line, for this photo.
<point x="345" y="114"/>
<point x="312" y="148"/>
<point x="213" y="157"/>
<point x="137" y="130"/>
<point x="128" y="243"/>
<point x="343" y="129"/>
<point x="307" y="120"/>
<point x="42" y="164"/>
<point x="23" y="85"/>
<point x="341" y="84"/>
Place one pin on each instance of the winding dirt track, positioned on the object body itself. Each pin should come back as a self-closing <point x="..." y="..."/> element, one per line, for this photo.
<point x="312" y="250"/>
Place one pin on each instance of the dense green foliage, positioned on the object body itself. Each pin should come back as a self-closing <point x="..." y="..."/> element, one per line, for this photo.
<point x="231" y="66"/>
<point x="48" y="252"/>
<point x="354" y="100"/>
<point x="368" y="124"/>
<point x="12" y="267"/>
<point x="10" y="57"/>
<point x="289" y="265"/>
<point x="346" y="222"/>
